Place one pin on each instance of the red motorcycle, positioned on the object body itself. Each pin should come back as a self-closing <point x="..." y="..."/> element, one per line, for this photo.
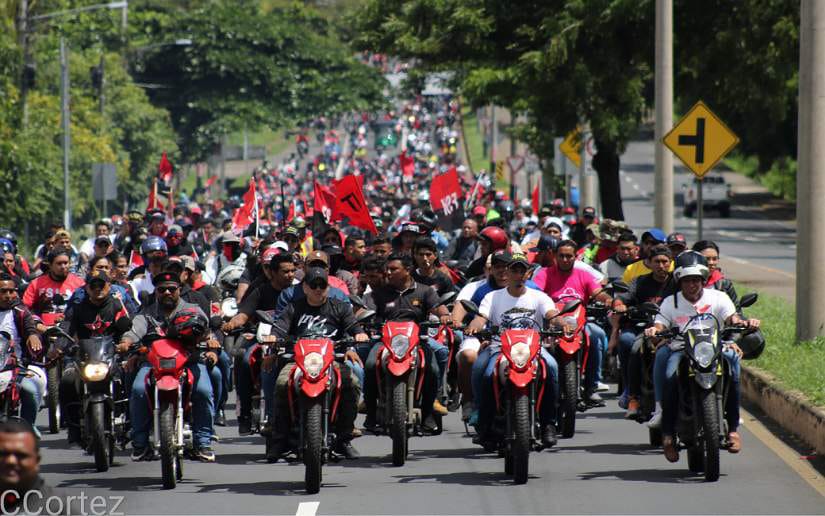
<point x="570" y="350"/>
<point x="313" y="393"/>
<point x="519" y="377"/>
<point x="12" y="372"/>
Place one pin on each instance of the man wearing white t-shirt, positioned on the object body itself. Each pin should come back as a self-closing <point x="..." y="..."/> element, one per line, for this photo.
<point x="691" y="272"/>
<point x="517" y="306"/>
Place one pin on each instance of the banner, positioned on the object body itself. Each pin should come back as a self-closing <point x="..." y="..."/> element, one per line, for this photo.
<point x="350" y="203"/>
<point x="165" y="169"/>
<point x="445" y="199"/>
<point x="248" y="212"/>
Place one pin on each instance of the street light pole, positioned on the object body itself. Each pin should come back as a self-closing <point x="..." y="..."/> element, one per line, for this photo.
<point x="663" y="173"/>
<point x="64" y="110"/>
<point x="810" y="189"/>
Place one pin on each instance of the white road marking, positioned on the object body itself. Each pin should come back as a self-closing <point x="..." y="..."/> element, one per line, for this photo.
<point x="635" y="186"/>
<point x="307" y="508"/>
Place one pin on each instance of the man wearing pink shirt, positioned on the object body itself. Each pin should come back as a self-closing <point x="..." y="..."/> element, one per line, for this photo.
<point x="564" y="282"/>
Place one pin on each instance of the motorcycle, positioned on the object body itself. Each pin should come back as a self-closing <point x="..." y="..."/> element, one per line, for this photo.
<point x="12" y="372"/>
<point x="313" y="391"/>
<point x="570" y="349"/>
<point x="54" y="368"/>
<point x="401" y="372"/>
<point x="518" y="385"/>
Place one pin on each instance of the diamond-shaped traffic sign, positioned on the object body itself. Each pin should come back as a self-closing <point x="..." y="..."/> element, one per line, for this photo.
<point x="700" y="139"/>
<point x="572" y="146"/>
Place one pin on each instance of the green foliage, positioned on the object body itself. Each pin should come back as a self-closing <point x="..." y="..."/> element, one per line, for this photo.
<point x="474" y="139"/>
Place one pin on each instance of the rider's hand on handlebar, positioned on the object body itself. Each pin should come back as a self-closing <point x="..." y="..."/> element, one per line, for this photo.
<point x="268" y="363"/>
<point x="123" y="346"/>
<point x="213" y="344"/>
<point x="227" y="326"/>
<point x="752" y="323"/>
<point x="211" y="357"/>
<point x="736" y="349"/>
<point x="34" y="344"/>
<point x="446" y="320"/>
<point x="651" y="332"/>
<point x="352" y="356"/>
<point x="619" y="307"/>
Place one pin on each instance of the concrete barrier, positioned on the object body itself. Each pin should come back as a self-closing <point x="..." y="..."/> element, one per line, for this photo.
<point x="788" y="409"/>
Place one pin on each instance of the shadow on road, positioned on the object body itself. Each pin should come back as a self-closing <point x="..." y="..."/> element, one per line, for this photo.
<point x="267" y="488"/>
<point x="614" y="449"/>
<point x="116" y="483"/>
<point x="659" y="476"/>
<point x="465" y="478"/>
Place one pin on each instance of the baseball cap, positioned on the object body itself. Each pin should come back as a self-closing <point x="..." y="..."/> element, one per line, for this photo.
<point x="410" y="226"/>
<point x="292" y="231"/>
<point x="518" y="258"/>
<point x="316" y="276"/>
<point x="174" y="229"/>
<point x="166" y="277"/>
<point x="501" y="256"/>
<point x="97" y="277"/>
<point x="656" y="234"/>
<point x="332" y="249"/>
<point x="101" y="240"/>
<point x="545" y="243"/>
<point x="677" y="239"/>
<point x="479" y="210"/>
<point x="228" y="237"/>
<point x="589" y="211"/>
<point x="317" y="256"/>
<point x="545" y="210"/>
<point x="188" y="263"/>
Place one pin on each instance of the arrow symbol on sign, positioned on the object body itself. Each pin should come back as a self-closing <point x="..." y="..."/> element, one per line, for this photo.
<point x="697" y="140"/>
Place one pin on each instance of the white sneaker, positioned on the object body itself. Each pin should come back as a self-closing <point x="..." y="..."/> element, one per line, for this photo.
<point x="602" y="387"/>
<point x="655" y="421"/>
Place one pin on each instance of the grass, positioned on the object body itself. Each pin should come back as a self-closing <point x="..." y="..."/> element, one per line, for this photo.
<point x="472" y="134"/>
<point x="800" y="367"/>
<point x="780" y="179"/>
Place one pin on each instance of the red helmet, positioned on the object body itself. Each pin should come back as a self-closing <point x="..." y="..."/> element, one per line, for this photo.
<point x="496" y="236"/>
<point x="189" y="322"/>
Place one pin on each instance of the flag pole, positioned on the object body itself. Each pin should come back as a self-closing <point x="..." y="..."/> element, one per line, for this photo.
<point x="256" y="208"/>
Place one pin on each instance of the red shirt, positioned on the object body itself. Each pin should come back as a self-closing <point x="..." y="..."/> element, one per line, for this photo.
<point x="39" y="294"/>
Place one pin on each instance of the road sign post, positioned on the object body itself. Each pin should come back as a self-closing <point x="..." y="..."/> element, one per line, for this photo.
<point x="104" y="183"/>
<point x="700" y="140"/>
<point x="700" y="209"/>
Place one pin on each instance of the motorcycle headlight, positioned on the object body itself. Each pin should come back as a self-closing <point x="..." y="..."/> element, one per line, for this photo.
<point x="167" y="363"/>
<point x="400" y="345"/>
<point x="313" y="363"/>
<point x="229" y="307"/>
<point x="570" y="321"/>
<point x="520" y="353"/>
<point x="704" y="353"/>
<point x="95" y="372"/>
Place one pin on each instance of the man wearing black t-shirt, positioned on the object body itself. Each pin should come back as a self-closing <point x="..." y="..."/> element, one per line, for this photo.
<point x="427" y="273"/>
<point x="264" y="297"/>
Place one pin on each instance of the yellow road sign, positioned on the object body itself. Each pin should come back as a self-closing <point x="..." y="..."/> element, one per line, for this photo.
<point x="502" y="181"/>
<point x="700" y="139"/>
<point x="572" y="147"/>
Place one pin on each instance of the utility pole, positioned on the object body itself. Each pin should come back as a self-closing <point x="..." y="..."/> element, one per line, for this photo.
<point x="27" y="78"/>
<point x="64" y="110"/>
<point x="513" y="150"/>
<point x="663" y="210"/>
<point x="810" y="186"/>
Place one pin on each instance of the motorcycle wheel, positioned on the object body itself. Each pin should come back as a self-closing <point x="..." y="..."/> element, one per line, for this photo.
<point x="97" y="433"/>
<point x="520" y="448"/>
<point x="710" y="429"/>
<point x="53" y="398"/>
<point x="313" y="445"/>
<point x="398" y="426"/>
<point x="168" y="450"/>
<point x="570" y="395"/>
<point x="655" y="435"/>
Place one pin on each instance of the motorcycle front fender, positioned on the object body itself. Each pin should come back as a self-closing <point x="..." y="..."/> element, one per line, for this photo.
<point x="520" y="380"/>
<point x="705" y="380"/>
<point x="399" y="368"/>
<point x="570" y="347"/>
<point x="168" y="383"/>
<point x="313" y="389"/>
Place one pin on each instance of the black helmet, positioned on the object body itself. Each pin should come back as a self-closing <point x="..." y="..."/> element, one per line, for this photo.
<point x="752" y="344"/>
<point x="690" y="263"/>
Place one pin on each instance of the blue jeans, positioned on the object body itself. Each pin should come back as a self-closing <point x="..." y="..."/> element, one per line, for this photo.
<point x="219" y="376"/>
<point x="442" y="357"/>
<point x="598" y="347"/>
<point x="486" y="397"/>
<point x="626" y="340"/>
<point x="244" y="386"/>
<point x="203" y="409"/>
<point x="31" y="395"/>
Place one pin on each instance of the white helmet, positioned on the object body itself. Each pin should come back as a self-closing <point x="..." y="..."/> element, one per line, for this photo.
<point x="229" y="277"/>
<point x="690" y="263"/>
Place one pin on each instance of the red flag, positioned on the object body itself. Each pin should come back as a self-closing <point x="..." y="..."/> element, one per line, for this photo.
<point x="324" y="201"/>
<point x="153" y="202"/>
<point x="291" y="214"/>
<point x="445" y="192"/>
<point x="536" y="200"/>
<point x="350" y="203"/>
<point x="165" y="169"/>
<point x="135" y="261"/>
<point x="245" y="215"/>
<point x="211" y="181"/>
<point x="407" y="164"/>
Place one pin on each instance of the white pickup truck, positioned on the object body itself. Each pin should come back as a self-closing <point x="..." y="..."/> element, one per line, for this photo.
<point x="716" y="195"/>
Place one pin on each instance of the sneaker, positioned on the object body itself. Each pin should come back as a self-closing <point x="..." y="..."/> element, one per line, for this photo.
<point x="735" y="442"/>
<point x="594" y="400"/>
<point x="220" y="418"/>
<point x="669" y="447"/>
<point x="632" y="409"/>
<point x="277" y="448"/>
<point x="548" y="436"/>
<point x="244" y="425"/>
<point x="141" y="453"/>
<point x="346" y="449"/>
<point x="438" y="408"/>
<point x="623" y="401"/>
<point x="655" y="421"/>
<point x="205" y="454"/>
<point x="602" y="387"/>
<point x="466" y="412"/>
<point x="356" y="432"/>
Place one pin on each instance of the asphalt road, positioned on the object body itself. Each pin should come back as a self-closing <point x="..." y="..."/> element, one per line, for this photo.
<point x="749" y="236"/>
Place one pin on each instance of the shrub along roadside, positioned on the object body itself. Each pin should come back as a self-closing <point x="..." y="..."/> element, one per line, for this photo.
<point x="795" y="366"/>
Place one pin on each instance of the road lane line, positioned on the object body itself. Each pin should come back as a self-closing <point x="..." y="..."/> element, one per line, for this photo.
<point x="307" y="508"/>
<point x="764" y="268"/>
<point x="788" y="455"/>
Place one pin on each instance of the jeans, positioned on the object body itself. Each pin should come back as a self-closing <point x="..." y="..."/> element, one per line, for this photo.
<point x="598" y="347"/>
<point x="442" y="358"/>
<point x="219" y="376"/>
<point x="483" y="392"/>
<point x="31" y="393"/>
<point x="428" y="391"/>
<point x="626" y="340"/>
<point x="203" y="409"/>
<point x="244" y="387"/>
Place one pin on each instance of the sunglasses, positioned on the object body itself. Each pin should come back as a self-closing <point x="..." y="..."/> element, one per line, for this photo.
<point x="318" y="285"/>
<point x="97" y="285"/>
<point x="167" y="289"/>
<point x="6" y="290"/>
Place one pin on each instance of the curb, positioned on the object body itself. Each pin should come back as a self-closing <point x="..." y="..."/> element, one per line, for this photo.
<point x="788" y="409"/>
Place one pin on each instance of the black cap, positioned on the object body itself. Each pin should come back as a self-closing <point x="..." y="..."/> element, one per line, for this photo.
<point x="545" y="243"/>
<point x="332" y="249"/>
<point x="518" y="258"/>
<point x="166" y="277"/>
<point x="589" y="211"/>
<point x="102" y="240"/>
<point x="501" y="256"/>
<point x="96" y="277"/>
<point x="677" y="239"/>
<point x="315" y="275"/>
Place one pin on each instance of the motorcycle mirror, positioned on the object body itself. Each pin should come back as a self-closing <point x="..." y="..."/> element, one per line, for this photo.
<point x="215" y="322"/>
<point x="363" y="315"/>
<point x="620" y="286"/>
<point x="357" y="302"/>
<point x="123" y="325"/>
<point x="447" y="298"/>
<point x="649" y="308"/>
<point x="748" y="300"/>
<point x="571" y="306"/>
<point x="470" y="307"/>
<point x="264" y="316"/>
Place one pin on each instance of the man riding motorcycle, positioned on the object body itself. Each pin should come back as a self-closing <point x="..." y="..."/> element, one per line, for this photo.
<point x="692" y="298"/>
<point x="499" y="308"/>
<point x="57" y="281"/>
<point x="318" y="315"/>
<point x="177" y="318"/>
